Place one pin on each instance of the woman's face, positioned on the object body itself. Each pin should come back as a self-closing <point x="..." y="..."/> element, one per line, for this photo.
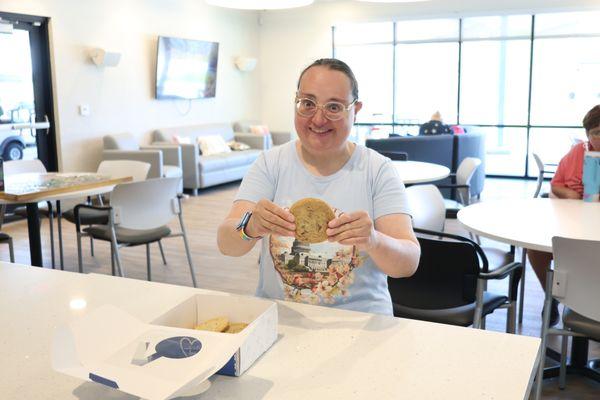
<point x="319" y="135"/>
<point x="594" y="137"/>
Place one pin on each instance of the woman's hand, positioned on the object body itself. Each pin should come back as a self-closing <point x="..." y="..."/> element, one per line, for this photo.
<point x="355" y="228"/>
<point x="268" y="218"/>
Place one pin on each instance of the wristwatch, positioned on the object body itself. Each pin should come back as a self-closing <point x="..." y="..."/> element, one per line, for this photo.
<point x="241" y="227"/>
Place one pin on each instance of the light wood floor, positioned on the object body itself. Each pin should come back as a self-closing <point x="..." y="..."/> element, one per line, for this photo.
<point x="203" y="214"/>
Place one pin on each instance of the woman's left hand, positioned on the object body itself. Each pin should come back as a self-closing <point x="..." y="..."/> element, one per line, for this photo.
<point x="355" y="228"/>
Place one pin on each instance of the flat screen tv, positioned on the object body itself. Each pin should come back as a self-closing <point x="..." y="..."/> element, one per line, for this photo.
<point x="186" y="69"/>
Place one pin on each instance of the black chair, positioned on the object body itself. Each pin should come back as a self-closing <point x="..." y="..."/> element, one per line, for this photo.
<point x="394" y="155"/>
<point x="449" y="285"/>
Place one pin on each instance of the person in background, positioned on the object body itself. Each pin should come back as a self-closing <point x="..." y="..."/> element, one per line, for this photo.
<point x="567" y="184"/>
<point x="372" y="237"/>
<point x="435" y="126"/>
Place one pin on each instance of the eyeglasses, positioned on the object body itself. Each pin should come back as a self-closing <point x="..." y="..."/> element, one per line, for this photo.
<point x="333" y="110"/>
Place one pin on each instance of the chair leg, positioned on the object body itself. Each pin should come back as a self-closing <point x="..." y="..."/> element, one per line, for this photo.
<point x="562" y="376"/>
<point x="112" y="259"/>
<point x="113" y="241"/>
<point x="187" y="248"/>
<point x="522" y="288"/>
<point x="540" y="180"/>
<point x="478" y="318"/>
<point x="60" y="238"/>
<point x="79" y="255"/>
<point x="148" y="262"/>
<point x="91" y="246"/>
<point x="511" y="318"/>
<point x="544" y="334"/>
<point x="162" y="252"/>
<point x="11" y="250"/>
<point x="51" y="223"/>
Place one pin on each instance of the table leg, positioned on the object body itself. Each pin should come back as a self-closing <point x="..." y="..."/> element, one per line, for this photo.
<point x="33" y="227"/>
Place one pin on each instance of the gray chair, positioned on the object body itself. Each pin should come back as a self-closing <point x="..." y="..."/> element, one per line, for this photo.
<point x="461" y="186"/>
<point x="164" y="159"/>
<point x="426" y="206"/>
<point x="137" y="170"/>
<point x="46" y="208"/>
<point x="574" y="282"/>
<point x="138" y="215"/>
<point x="544" y="170"/>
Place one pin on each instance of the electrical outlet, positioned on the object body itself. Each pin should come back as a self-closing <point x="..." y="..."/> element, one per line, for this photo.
<point x="84" y="110"/>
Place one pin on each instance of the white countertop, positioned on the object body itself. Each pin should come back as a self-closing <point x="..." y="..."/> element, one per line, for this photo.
<point x="531" y="223"/>
<point x="322" y="353"/>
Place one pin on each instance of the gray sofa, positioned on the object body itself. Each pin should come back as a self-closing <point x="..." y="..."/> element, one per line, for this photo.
<point x="203" y="171"/>
<point x="277" y="138"/>
<point x="448" y="150"/>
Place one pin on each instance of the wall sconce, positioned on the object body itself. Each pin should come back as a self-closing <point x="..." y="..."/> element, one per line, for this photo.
<point x="245" y="64"/>
<point x="103" y="58"/>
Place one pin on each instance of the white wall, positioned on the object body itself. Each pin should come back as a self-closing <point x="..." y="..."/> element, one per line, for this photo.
<point x="292" y="39"/>
<point x="122" y="98"/>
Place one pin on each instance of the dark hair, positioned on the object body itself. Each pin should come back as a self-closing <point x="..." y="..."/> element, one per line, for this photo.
<point x="592" y="119"/>
<point x="336" y="65"/>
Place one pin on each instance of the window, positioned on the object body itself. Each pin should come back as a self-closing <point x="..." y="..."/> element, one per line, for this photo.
<point x="525" y="81"/>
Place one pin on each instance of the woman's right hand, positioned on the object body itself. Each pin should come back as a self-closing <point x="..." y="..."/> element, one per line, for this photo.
<point x="268" y="218"/>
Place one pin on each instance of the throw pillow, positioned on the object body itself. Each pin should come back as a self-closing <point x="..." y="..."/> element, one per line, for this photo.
<point x="210" y="145"/>
<point x="259" y="130"/>
<point x="238" y="146"/>
<point x="182" y="139"/>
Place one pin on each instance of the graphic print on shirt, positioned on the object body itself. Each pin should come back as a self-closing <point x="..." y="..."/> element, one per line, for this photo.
<point x="314" y="273"/>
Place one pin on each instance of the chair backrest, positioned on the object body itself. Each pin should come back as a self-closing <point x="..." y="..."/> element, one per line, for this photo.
<point x="538" y="162"/>
<point x="120" y="168"/>
<point x="395" y="155"/>
<point x="577" y="275"/>
<point x="466" y="169"/>
<point x="446" y="276"/>
<point x="23" y="166"/>
<point x="122" y="141"/>
<point x="426" y="206"/>
<point x="146" y="204"/>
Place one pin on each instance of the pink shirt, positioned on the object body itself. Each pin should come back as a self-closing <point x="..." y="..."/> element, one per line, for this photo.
<point x="569" y="173"/>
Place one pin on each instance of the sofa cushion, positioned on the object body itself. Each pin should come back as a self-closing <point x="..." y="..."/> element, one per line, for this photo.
<point x="171" y="171"/>
<point x="123" y="141"/>
<point x="194" y="131"/>
<point x="212" y="144"/>
<point x="219" y="162"/>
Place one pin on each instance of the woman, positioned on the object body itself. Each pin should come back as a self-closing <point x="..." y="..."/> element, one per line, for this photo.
<point x="370" y="239"/>
<point x="567" y="184"/>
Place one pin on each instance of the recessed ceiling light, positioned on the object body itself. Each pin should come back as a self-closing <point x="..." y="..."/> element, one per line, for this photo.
<point x="259" y="4"/>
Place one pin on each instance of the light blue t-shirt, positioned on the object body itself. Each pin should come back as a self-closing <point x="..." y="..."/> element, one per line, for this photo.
<point x="324" y="273"/>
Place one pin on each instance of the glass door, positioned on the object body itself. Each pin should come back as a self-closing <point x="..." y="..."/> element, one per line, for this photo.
<point x="26" y="112"/>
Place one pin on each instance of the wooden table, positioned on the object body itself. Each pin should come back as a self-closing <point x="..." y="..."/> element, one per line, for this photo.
<point x="321" y="353"/>
<point x="420" y="172"/>
<point x="30" y="188"/>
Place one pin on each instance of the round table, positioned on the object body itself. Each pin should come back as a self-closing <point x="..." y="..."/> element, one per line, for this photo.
<point x="531" y="223"/>
<point x="420" y="172"/>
